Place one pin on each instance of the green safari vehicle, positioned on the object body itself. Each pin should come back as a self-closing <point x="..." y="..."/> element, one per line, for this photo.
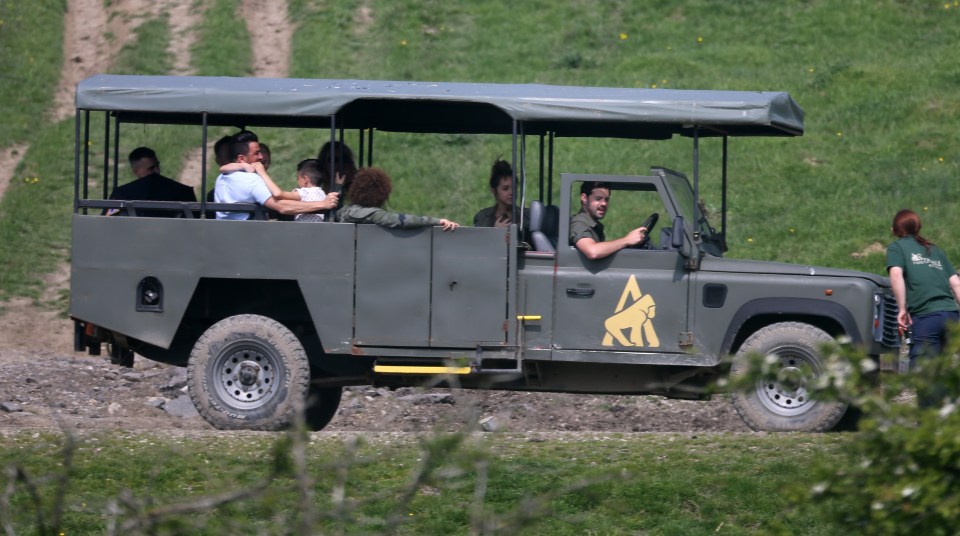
<point x="267" y="327"/>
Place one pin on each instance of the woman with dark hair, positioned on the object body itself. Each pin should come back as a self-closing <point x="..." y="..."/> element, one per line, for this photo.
<point x="368" y="192"/>
<point x="925" y="285"/>
<point x="501" y="186"/>
<point x="344" y="166"/>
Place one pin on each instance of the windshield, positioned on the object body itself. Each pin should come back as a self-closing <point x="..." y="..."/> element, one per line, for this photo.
<point x="683" y="193"/>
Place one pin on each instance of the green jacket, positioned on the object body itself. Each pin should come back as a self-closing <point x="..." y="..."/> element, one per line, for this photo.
<point x="385" y="218"/>
<point x="926" y="274"/>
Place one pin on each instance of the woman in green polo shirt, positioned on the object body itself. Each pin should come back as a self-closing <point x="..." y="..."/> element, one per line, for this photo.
<point x="925" y="285"/>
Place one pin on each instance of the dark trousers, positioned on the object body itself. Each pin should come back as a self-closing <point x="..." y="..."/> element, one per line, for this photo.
<point x="929" y="334"/>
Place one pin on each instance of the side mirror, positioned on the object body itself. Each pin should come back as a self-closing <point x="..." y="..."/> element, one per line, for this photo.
<point x="678" y="235"/>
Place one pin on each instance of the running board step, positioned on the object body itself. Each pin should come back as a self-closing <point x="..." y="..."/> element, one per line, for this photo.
<point x="405" y="369"/>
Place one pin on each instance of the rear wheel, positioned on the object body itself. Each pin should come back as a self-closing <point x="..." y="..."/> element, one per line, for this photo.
<point x="783" y="403"/>
<point x="248" y="372"/>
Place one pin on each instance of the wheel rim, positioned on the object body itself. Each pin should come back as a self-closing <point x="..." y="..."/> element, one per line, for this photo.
<point x="786" y="392"/>
<point x="247" y="374"/>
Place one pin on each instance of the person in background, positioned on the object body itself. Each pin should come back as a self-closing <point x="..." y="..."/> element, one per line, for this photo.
<point x="150" y="185"/>
<point x="265" y="156"/>
<point x="344" y="166"/>
<point x="369" y="191"/>
<point x="221" y="151"/>
<point x="501" y="186"/>
<point x="221" y="154"/>
<point x="309" y="177"/>
<point x="256" y="187"/>
<point x="586" y="231"/>
<point x="309" y="180"/>
<point x="925" y="285"/>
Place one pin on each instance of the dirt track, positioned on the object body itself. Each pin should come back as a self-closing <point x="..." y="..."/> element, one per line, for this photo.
<point x="48" y="389"/>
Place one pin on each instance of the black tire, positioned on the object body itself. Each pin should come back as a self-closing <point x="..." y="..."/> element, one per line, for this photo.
<point x="322" y="404"/>
<point x="248" y="372"/>
<point x="784" y="404"/>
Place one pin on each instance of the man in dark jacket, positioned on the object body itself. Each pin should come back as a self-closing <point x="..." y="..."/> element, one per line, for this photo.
<point x="150" y="185"/>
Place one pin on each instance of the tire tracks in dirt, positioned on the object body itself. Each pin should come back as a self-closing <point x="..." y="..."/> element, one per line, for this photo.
<point x="271" y="32"/>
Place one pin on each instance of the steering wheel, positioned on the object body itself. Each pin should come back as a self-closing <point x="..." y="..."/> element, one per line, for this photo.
<point x="649" y="223"/>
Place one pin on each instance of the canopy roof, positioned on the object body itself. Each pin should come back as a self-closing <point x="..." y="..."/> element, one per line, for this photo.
<point x="442" y="107"/>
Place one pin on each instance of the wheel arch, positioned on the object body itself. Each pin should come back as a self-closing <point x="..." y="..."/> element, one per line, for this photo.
<point x="215" y="299"/>
<point x="831" y="317"/>
<point x="282" y="300"/>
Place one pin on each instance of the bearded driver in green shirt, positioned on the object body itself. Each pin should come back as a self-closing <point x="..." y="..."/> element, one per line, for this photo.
<point x="586" y="231"/>
<point x="925" y="285"/>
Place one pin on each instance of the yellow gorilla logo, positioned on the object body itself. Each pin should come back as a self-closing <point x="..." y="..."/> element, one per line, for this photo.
<point x="637" y="317"/>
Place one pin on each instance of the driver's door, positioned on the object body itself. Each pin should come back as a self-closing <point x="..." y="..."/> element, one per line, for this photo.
<point x="632" y="302"/>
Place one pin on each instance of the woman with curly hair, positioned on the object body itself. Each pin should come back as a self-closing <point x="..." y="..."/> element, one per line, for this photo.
<point x="368" y="192"/>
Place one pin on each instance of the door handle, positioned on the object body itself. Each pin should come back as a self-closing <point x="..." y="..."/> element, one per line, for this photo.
<point x="580" y="292"/>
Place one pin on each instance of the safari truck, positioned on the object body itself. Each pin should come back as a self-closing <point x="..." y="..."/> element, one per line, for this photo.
<point x="273" y="316"/>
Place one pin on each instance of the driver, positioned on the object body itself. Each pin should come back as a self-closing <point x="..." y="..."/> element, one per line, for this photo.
<point x="586" y="231"/>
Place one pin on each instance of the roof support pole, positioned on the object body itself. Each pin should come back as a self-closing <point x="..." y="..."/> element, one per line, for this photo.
<point x="339" y="154"/>
<point x="523" y="178"/>
<point x="696" y="181"/>
<point x="723" y="197"/>
<point x="360" y="151"/>
<point x="116" y="151"/>
<point x="333" y="156"/>
<point x="370" y="148"/>
<point x="513" y="164"/>
<point x="550" y="172"/>
<point x="203" y="166"/>
<point x="541" y="168"/>
<point x="106" y="152"/>
<point x="86" y="156"/>
<point x="76" y="161"/>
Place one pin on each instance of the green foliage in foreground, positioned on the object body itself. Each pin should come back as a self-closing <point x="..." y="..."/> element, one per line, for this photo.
<point x="444" y="484"/>
<point x="900" y="474"/>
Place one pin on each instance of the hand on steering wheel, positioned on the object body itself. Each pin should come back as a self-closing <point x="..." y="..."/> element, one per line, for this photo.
<point x="649" y="223"/>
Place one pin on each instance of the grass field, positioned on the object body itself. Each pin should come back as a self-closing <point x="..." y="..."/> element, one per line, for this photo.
<point x="878" y="96"/>
<point x="560" y="484"/>
<point x="877" y="81"/>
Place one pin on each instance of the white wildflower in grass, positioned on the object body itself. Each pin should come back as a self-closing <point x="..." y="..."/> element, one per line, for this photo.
<point x="877" y="505"/>
<point x="844" y="339"/>
<point x="907" y="492"/>
<point x="818" y="489"/>
<point x="867" y="365"/>
<point x="866" y="462"/>
<point x="947" y="410"/>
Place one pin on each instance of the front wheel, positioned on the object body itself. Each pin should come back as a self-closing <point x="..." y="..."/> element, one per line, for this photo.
<point x="248" y="372"/>
<point x="783" y="403"/>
